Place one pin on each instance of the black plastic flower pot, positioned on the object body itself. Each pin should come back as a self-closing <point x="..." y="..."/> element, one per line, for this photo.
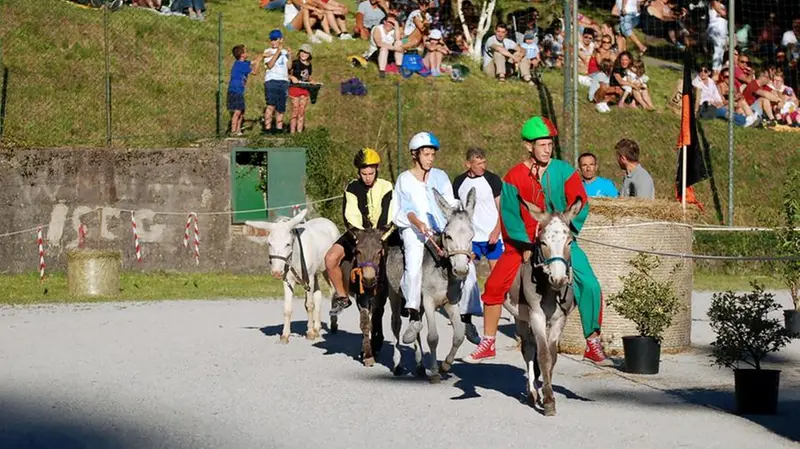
<point x="756" y="391"/>
<point x="792" y="322"/>
<point x="642" y="354"/>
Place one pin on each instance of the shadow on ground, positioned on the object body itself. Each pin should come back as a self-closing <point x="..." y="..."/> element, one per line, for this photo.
<point x="785" y="423"/>
<point x="39" y="423"/>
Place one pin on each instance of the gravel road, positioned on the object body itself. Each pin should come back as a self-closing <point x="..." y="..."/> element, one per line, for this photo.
<point x="209" y="374"/>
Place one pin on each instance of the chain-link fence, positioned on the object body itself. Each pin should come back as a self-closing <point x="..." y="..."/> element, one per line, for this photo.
<point x="111" y="81"/>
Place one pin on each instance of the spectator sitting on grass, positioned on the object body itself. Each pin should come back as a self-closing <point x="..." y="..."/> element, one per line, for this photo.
<point x="152" y="4"/>
<point x="601" y="91"/>
<point x="710" y="102"/>
<point x="761" y="98"/>
<point x="498" y="51"/>
<point x="335" y="14"/>
<point x="240" y="70"/>
<point x="369" y="15"/>
<point x="193" y="8"/>
<point x="741" y="104"/>
<point x="273" y="5"/>
<point x="385" y="39"/>
<point x="603" y="52"/>
<point x="596" y="186"/>
<point x="629" y="87"/>
<point x="531" y="47"/>
<point x="585" y="52"/>
<point x="637" y="78"/>
<point x="553" y="45"/>
<point x="637" y="181"/>
<point x="417" y="27"/>
<point x="436" y="51"/>
<point x="299" y="14"/>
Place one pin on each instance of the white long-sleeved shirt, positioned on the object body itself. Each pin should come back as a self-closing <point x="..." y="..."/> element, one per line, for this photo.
<point x="416" y="196"/>
<point x="708" y="90"/>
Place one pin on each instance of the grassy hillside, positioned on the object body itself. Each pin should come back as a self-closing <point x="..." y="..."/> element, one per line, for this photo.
<point x="164" y="81"/>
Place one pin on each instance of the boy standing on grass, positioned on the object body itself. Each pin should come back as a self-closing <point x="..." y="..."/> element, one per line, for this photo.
<point x="241" y="69"/>
<point x="276" y="81"/>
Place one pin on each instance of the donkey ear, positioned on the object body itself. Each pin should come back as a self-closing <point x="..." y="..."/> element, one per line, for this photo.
<point x="297" y="219"/>
<point x="537" y="214"/>
<point x="573" y="210"/>
<point x="264" y="225"/>
<point x="470" y="206"/>
<point x="443" y="204"/>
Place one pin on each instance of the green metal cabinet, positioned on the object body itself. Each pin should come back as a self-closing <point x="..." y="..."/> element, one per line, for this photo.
<point x="282" y="170"/>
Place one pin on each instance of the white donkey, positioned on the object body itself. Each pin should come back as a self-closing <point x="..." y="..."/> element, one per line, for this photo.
<point x="297" y="256"/>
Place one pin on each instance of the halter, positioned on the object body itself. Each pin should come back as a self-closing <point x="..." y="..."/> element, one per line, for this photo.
<point x="545" y="264"/>
<point x="288" y="268"/>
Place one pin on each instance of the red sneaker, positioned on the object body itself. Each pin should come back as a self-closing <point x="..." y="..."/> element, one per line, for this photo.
<point x="484" y="351"/>
<point x="595" y="354"/>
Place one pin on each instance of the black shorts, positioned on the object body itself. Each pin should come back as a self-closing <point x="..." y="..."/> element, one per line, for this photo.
<point x="348" y="242"/>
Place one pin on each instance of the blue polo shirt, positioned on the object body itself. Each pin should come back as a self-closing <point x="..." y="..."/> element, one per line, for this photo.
<point x="601" y="187"/>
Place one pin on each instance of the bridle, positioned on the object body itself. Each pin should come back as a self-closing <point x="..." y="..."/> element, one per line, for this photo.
<point x="544" y="264"/>
<point x="358" y="269"/>
<point x="289" y="268"/>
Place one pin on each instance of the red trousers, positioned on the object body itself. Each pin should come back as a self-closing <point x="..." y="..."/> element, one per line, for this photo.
<point x="502" y="276"/>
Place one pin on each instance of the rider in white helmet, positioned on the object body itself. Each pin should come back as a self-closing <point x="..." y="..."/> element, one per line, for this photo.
<point x="417" y="216"/>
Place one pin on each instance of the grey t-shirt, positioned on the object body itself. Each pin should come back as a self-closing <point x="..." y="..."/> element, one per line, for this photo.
<point x="372" y="15"/>
<point x="638" y="184"/>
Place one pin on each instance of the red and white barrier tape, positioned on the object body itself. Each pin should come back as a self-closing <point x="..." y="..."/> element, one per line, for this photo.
<point x="81" y="235"/>
<point x="192" y="219"/>
<point x="40" y="243"/>
<point x="136" y="238"/>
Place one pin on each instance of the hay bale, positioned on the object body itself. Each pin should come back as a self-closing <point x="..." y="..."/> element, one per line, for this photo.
<point x="638" y="224"/>
<point x="93" y="272"/>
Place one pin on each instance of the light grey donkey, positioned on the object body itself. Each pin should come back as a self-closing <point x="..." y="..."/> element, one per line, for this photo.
<point x="542" y="292"/>
<point x="443" y="276"/>
<point x="297" y="256"/>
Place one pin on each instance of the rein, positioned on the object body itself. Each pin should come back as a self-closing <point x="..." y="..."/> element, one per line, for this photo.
<point x="287" y="260"/>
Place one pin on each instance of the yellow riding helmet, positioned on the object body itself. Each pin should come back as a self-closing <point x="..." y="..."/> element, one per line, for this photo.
<point x="366" y="157"/>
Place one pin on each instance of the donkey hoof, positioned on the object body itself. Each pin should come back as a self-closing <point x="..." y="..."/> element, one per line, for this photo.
<point x="435" y="378"/>
<point x="284" y="339"/>
<point x="311" y="335"/>
<point x="550" y="409"/>
<point x="369" y="361"/>
<point x="533" y="399"/>
<point x="445" y="368"/>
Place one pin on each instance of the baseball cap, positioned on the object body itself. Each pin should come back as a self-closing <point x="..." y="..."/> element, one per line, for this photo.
<point x="435" y="34"/>
<point x="529" y="36"/>
<point x="275" y="35"/>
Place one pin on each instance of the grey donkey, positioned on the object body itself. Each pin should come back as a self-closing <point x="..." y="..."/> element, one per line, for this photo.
<point x="542" y="293"/>
<point x="443" y="276"/>
<point x="365" y="282"/>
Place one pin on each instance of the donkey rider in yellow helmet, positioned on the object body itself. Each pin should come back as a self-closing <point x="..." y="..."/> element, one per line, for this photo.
<point x="368" y="203"/>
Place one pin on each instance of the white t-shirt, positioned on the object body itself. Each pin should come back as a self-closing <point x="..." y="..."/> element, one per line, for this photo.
<point x="708" y="91"/>
<point x="289" y="13"/>
<point x="488" y="53"/>
<point x="383" y="36"/>
<point x="631" y="7"/>
<point x="487" y="188"/>
<point x="279" y="71"/>
<point x="409" y="26"/>
<point x="416" y="196"/>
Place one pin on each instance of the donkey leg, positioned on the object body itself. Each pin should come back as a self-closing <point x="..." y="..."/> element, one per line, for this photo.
<point x="317" y="308"/>
<point x="287" y="312"/>
<point x="310" y="312"/>
<point x="458" y="336"/>
<point x="528" y="349"/>
<point x="433" y="340"/>
<point x="539" y="326"/>
<point x="377" y="310"/>
<point x="396" y="302"/>
<point x="365" y="323"/>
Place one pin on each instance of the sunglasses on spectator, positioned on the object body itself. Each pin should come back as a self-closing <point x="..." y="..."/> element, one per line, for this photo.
<point x="744" y="61"/>
<point x="704" y="70"/>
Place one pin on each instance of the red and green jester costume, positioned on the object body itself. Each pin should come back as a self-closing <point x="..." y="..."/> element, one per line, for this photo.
<point x="560" y="186"/>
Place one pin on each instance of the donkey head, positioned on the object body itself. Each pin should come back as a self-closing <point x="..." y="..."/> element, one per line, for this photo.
<point x="458" y="233"/>
<point x="279" y="241"/>
<point x="368" y="254"/>
<point x="554" y="238"/>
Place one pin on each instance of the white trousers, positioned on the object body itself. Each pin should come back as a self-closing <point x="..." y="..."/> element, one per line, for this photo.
<point x="471" y="294"/>
<point x="411" y="282"/>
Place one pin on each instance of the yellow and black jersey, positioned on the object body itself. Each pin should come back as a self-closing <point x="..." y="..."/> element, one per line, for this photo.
<point x="372" y="207"/>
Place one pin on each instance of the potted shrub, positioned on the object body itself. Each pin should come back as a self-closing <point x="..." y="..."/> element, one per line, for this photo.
<point x="789" y="244"/>
<point x="745" y="334"/>
<point x="651" y="305"/>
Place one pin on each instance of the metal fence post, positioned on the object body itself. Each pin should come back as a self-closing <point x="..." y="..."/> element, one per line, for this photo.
<point x="3" y="92"/>
<point x="731" y="45"/>
<point x="565" y="115"/>
<point x="220" y="63"/>
<point x="399" y="130"/>
<point x="107" y="51"/>
<point x="575" y="116"/>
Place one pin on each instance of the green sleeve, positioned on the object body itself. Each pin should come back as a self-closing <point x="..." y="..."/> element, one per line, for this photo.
<point x="510" y="214"/>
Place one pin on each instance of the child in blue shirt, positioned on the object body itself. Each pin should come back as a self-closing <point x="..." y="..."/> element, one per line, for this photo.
<point x="239" y="72"/>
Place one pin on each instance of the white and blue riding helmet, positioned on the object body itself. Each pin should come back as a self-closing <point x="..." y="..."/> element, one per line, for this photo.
<point x="422" y="140"/>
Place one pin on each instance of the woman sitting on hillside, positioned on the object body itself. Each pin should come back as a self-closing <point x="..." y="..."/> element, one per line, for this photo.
<point x="302" y="14"/>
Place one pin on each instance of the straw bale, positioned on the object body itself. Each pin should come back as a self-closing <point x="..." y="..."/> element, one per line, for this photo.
<point x="93" y="273"/>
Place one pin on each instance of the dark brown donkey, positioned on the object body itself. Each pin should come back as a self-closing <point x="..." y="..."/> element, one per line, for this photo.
<point x="365" y="280"/>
